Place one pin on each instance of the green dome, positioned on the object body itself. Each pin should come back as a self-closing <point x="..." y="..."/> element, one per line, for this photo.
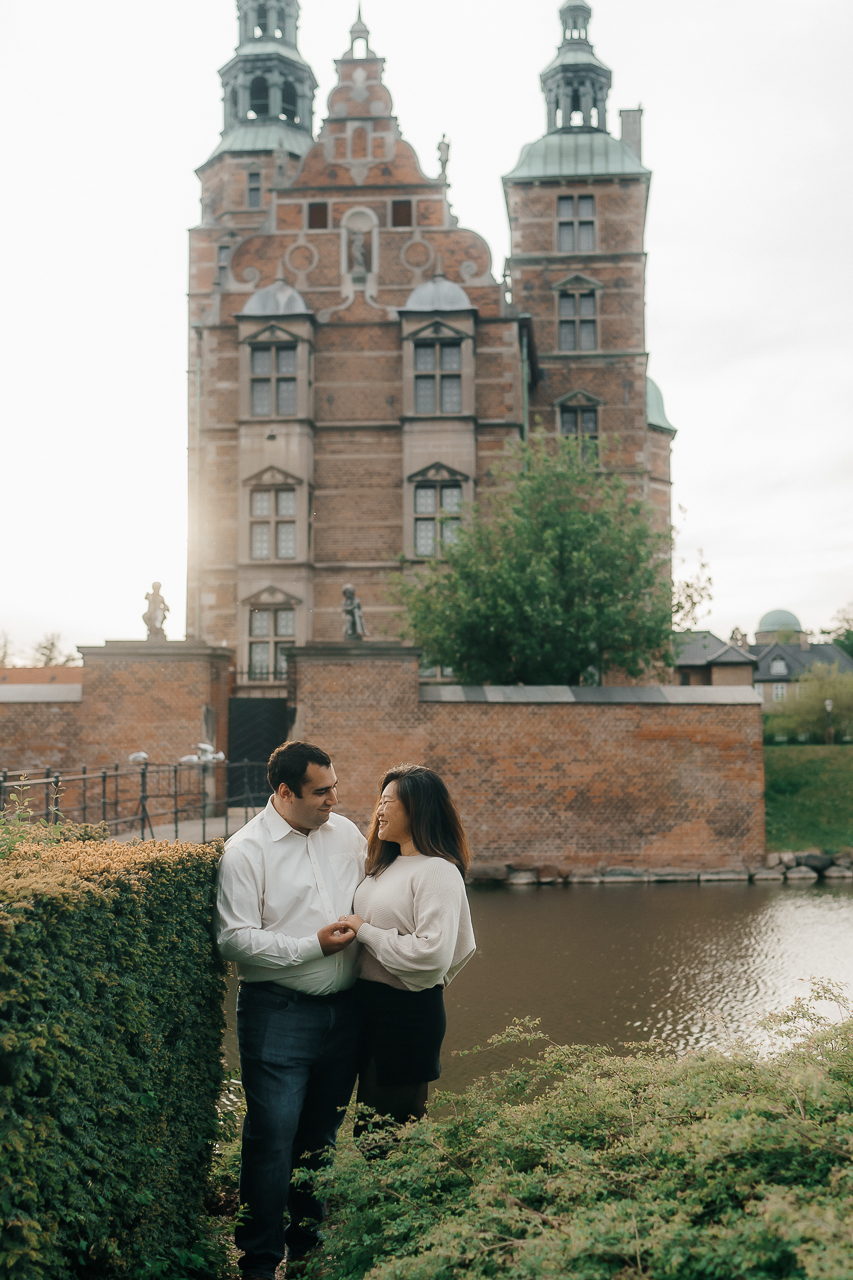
<point x="655" y="412"/>
<point x="779" y="620"/>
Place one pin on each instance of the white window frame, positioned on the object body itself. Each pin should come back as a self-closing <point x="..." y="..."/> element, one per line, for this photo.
<point x="282" y="514"/>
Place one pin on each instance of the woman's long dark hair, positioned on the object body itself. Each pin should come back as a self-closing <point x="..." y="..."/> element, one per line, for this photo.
<point x="437" y="830"/>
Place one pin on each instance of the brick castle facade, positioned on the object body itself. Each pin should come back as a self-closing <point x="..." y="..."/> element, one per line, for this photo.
<point x="355" y="364"/>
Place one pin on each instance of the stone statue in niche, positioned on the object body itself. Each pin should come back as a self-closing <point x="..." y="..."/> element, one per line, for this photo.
<point x="358" y="248"/>
<point x="155" y="615"/>
<point x="354" y="628"/>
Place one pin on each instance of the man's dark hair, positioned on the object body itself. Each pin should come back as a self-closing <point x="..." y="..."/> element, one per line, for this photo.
<point x="289" y="764"/>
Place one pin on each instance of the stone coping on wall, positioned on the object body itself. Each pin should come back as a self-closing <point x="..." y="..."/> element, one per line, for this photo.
<point x="40" y="691"/>
<point x="192" y="650"/>
<point x="660" y="695"/>
<point x="361" y="651"/>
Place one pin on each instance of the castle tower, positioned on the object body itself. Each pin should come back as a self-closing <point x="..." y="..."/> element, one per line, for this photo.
<point x="577" y="207"/>
<point x="353" y="363"/>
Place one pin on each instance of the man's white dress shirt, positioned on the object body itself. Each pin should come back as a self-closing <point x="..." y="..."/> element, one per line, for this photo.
<point x="276" y="889"/>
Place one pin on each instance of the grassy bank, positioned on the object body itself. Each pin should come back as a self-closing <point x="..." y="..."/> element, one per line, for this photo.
<point x="809" y="797"/>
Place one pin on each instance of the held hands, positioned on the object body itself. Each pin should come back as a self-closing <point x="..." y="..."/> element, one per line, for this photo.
<point x="335" y="937"/>
<point x="351" y="922"/>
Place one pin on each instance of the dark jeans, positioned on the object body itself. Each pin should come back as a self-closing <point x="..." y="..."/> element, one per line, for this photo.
<point x="298" y="1058"/>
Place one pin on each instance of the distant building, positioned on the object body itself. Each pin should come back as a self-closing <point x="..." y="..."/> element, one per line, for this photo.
<point x="783" y="653"/>
<point x="703" y="658"/>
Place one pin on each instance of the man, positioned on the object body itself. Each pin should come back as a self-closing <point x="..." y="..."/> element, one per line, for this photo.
<point x="284" y="881"/>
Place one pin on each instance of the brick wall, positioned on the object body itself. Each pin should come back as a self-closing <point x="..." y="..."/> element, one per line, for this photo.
<point x="136" y="697"/>
<point x="571" y="785"/>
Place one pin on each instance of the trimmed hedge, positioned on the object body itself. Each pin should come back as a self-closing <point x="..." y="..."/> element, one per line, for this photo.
<point x="111" y="1019"/>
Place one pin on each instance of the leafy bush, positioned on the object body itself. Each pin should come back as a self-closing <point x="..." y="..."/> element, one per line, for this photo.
<point x="110" y="1032"/>
<point x="580" y="1164"/>
<point x="17" y="826"/>
<point x="804" y="712"/>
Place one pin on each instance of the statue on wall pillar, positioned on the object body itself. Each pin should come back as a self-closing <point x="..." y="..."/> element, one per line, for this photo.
<point x="354" y="628"/>
<point x="155" y="615"/>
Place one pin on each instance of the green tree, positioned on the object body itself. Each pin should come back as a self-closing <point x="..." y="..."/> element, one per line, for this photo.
<point x="805" y="710"/>
<point x="560" y="580"/>
<point x="842" y="635"/>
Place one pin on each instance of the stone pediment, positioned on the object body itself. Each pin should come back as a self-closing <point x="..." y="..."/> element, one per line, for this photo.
<point x="272" y="333"/>
<point x="271" y="598"/>
<point x="437" y="472"/>
<point x="272" y="476"/>
<point x="578" y="281"/>
<point x="437" y="329"/>
<point x="580" y="398"/>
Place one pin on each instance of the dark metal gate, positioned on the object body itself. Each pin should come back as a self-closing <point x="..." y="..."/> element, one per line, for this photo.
<point x="256" y="726"/>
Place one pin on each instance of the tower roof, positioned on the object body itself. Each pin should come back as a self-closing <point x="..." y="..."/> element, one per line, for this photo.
<point x="279" y="299"/>
<point x="268" y="87"/>
<point x="655" y="412"/>
<point x="566" y="155"/>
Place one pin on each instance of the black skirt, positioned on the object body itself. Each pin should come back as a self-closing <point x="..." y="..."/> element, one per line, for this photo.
<point x="402" y="1031"/>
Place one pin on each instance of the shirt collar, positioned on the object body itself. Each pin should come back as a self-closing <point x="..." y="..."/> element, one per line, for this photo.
<point x="279" y="827"/>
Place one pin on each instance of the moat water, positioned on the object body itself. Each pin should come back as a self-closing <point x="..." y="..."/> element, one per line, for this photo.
<point x="609" y="964"/>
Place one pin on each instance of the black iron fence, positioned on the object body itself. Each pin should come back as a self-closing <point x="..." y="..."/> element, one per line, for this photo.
<point x="135" y="800"/>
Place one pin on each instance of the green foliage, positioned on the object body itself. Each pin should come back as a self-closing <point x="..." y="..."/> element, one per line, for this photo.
<point x="17" y="826"/>
<point x="560" y="580"/>
<point x="110" y="1033"/>
<point x="842" y="634"/>
<point x="804" y="711"/>
<point x="582" y="1165"/>
<point x="809" y="797"/>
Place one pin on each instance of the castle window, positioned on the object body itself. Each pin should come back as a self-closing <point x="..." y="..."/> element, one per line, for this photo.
<point x="274" y="381"/>
<point x="254" y="191"/>
<point x="780" y="692"/>
<point x="289" y="105"/>
<point x="578" y="422"/>
<point x="778" y="667"/>
<point x="438" y="511"/>
<point x="261" y="28"/>
<point x="318" y="216"/>
<point x="259" y="96"/>
<point x="223" y="257"/>
<point x="576" y="224"/>
<point x="401" y="213"/>
<point x="273" y="508"/>
<point x="438" y="377"/>
<point x="578" y="323"/>
<point x="271" y="636"/>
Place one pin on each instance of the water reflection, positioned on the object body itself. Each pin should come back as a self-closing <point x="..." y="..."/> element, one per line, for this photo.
<point x="608" y="964"/>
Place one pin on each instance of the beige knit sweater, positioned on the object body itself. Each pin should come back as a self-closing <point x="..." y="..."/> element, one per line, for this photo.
<point x="417" y="930"/>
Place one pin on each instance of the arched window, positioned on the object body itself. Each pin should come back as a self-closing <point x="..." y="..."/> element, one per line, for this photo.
<point x="261" y="29"/>
<point x="259" y="96"/>
<point x="288" y="101"/>
<point x="359" y="48"/>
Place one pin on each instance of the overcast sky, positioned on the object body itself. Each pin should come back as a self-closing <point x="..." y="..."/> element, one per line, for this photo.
<point x="108" y="110"/>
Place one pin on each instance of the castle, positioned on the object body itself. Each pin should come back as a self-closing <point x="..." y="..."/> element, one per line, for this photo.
<point x="355" y="364"/>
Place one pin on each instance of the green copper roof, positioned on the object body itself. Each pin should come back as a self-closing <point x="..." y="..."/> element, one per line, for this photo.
<point x="264" y="135"/>
<point x="575" y="54"/>
<point x="577" y="154"/>
<point x="655" y="412"/>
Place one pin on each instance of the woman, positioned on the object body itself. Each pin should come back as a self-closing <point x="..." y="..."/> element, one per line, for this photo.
<point x="414" y="924"/>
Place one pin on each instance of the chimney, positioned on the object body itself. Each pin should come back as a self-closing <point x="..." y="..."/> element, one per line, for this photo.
<point x="632" y="130"/>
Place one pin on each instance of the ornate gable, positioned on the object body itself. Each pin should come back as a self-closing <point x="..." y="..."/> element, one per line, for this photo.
<point x="437" y="329"/>
<point x="271" y="598"/>
<point x="272" y="333"/>
<point x="272" y="476"/>
<point x="577" y="281"/>
<point x="579" y="398"/>
<point x="437" y="471"/>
